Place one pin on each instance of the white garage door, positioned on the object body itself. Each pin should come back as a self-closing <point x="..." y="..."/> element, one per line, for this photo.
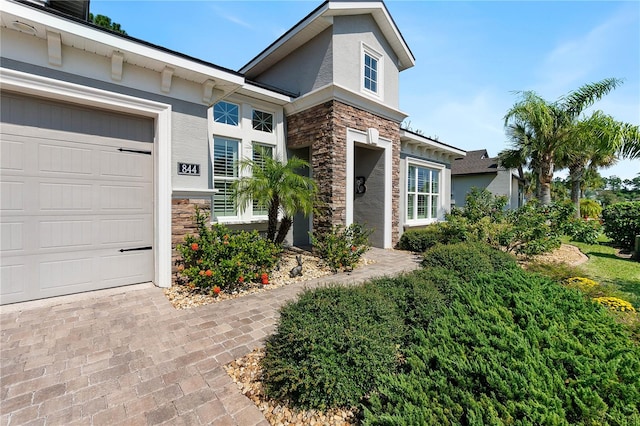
<point x="76" y="199"/>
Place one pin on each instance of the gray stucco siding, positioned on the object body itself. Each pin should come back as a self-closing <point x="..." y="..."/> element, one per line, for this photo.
<point x="308" y="68"/>
<point x="350" y="33"/>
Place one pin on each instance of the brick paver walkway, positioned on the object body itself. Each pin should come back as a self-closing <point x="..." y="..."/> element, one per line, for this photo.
<point x="126" y="356"/>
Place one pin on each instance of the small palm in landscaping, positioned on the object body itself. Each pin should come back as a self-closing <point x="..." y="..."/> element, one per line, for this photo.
<point x="278" y="186"/>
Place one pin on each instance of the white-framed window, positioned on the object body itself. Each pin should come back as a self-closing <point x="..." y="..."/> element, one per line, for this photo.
<point x="260" y="151"/>
<point x="225" y="172"/>
<point x="372" y="71"/>
<point x="262" y="121"/>
<point x="423" y="192"/>
<point x="226" y="113"/>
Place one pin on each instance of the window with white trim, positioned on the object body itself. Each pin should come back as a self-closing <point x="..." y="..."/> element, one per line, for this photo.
<point x="423" y="192"/>
<point x="262" y="121"/>
<point x="226" y="113"/>
<point x="261" y="151"/>
<point x="371" y="71"/>
<point x="225" y="172"/>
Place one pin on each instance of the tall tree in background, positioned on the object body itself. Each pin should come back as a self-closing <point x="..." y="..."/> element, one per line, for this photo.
<point x="105" y="22"/>
<point x="550" y="127"/>
<point x="597" y="141"/>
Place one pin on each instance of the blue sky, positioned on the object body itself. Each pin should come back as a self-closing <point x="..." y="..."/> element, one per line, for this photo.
<point x="470" y="55"/>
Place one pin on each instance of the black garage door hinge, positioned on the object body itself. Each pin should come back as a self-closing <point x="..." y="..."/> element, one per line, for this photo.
<point x="137" y="151"/>
<point x="135" y="249"/>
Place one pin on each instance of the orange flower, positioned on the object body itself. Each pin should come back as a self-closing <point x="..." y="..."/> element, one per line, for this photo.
<point x="225" y="242"/>
<point x="241" y="279"/>
<point x="353" y="248"/>
<point x="194" y="246"/>
<point x="226" y="237"/>
<point x="192" y="285"/>
<point x="199" y="261"/>
<point x="180" y="268"/>
<point x="216" y="290"/>
<point x="208" y="272"/>
<point x="201" y="272"/>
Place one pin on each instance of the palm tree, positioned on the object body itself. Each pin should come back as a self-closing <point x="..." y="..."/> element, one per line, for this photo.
<point x="549" y="127"/>
<point x="276" y="185"/>
<point x="597" y="141"/>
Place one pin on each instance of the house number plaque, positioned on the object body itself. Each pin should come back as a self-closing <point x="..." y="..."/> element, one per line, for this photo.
<point x="189" y="169"/>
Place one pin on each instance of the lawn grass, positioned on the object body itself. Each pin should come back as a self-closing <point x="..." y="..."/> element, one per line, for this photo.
<point x="607" y="268"/>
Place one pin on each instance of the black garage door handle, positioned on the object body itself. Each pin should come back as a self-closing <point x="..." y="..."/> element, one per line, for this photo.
<point x="135" y="249"/>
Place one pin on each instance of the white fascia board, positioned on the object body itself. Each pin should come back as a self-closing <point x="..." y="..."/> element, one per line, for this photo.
<point x="131" y="47"/>
<point x="344" y="95"/>
<point x="263" y="94"/>
<point x="412" y="138"/>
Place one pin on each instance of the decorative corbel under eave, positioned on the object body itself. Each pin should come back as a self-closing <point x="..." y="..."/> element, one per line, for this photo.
<point x="54" y="48"/>
<point x="117" y="58"/>
<point x="167" y="74"/>
<point x="207" y="91"/>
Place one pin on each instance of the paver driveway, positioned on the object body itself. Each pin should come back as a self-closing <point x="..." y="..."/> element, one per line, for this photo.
<point x="126" y="356"/>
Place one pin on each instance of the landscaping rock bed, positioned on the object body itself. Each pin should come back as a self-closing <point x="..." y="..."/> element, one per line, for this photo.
<point x="247" y="374"/>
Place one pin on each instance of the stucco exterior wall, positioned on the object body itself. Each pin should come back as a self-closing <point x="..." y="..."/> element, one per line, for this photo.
<point x="307" y="68"/>
<point x="350" y="34"/>
<point x="324" y="129"/>
<point x="501" y="183"/>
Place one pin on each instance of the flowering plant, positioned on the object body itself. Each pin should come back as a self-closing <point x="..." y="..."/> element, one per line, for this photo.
<point x="218" y="257"/>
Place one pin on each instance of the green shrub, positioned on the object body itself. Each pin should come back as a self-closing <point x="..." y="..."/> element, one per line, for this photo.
<point x="418" y="240"/>
<point x="223" y="258"/>
<point x="535" y="229"/>
<point x="330" y="346"/>
<point x="343" y="247"/>
<point x="513" y="348"/>
<point x="467" y="260"/>
<point x="582" y="231"/>
<point x="481" y="203"/>
<point x="590" y="208"/>
<point x="622" y="223"/>
<point x="417" y="296"/>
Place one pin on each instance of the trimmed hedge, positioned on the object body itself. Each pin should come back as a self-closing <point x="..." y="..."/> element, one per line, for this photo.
<point x="330" y="346"/>
<point x="468" y="259"/>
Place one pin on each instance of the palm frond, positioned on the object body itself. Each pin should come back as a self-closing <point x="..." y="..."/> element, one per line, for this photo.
<point x="580" y="99"/>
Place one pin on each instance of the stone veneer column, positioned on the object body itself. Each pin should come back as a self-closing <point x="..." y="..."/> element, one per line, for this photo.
<point x="324" y="129"/>
<point x="183" y="212"/>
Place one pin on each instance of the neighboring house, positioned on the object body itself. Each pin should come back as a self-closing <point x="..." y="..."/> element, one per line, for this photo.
<point x="108" y="142"/>
<point x="477" y="169"/>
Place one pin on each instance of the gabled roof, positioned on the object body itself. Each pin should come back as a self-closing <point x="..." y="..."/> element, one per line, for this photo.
<point x="475" y="162"/>
<point x="321" y="19"/>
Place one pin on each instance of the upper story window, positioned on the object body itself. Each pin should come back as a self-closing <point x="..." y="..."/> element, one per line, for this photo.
<point x="423" y="193"/>
<point x="226" y="113"/>
<point x="370" y="73"/>
<point x="262" y="121"/>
